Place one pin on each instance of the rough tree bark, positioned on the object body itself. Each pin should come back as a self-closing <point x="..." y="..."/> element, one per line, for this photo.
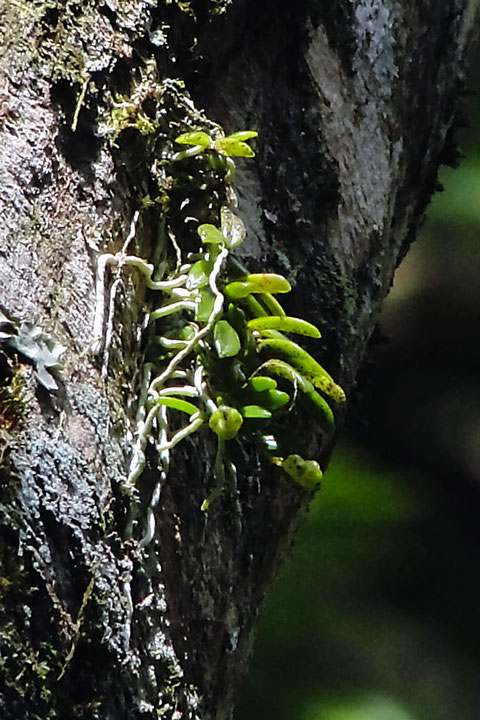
<point x="354" y="103"/>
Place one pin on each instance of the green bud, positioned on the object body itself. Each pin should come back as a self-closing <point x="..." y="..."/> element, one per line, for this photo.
<point x="306" y="473"/>
<point x="225" y="422"/>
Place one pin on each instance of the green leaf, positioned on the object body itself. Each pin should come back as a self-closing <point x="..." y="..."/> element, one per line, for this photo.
<point x="267" y="283"/>
<point x="255" y="307"/>
<point x="257" y="283"/>
<point x="195" y="138"/>
<point x="263" y="391"/>
<point x="205" y="305"/>
<point x="256" y="412"/>
<point x="292" y="353"/>
<point x="237" y="290"/>
<point x="243" y="135"/>
<point x="284" y="324"/>
<point x="274" y="399"/>
<point x="233" y="148"/>
<point x="198" y="274"/>
<point x="259" y="383"/>
<point x="321" y="410"/>
<point x="187" y="332"/>
<point x="178" y="404"/>
<point x="236" y="318"/>
<point x="273" y="305"/>
<point x="233" y="227"/>
<point x="217" y="162"/>
<point x="227" y="342"/>
<point x="287" y="372"/>
<point x="210" y="234"/>
<point x="302" y="361"/>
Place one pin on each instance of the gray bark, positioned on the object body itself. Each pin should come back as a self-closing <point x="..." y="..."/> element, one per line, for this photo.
<point x="353" y="103"/>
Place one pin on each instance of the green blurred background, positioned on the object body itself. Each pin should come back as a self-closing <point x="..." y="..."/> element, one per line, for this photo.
<point x="376" y="614"/>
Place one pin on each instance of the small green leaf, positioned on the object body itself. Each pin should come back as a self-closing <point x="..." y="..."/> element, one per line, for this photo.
<point x="227" y="342"/>
<point x="233" y="148"/>
<point x="195" y="138"/>
<point x="257" y="283"/>
<point x="267" y="283"/>
<point x="274" y="399"/>
<point x="178" y="404"/>
<point x="204" y="307"/>
<point x="236" y="318"/>
<point x="284" y="324"/>
<point x="243" y="135"/>
<point x="217" y="162"/>
<point x="187" y="332"/>
<point x="302" y="361"/>
<point x="233" y="227"/>
<point x="255" y="307"/>
<point x="259" y="383"/>
<point x="287" y="372"/>
<point x="269" y="399"/>
<point x="273" y="305"/>
<point x="321" y="410"/>
<point x="198" y="274"/>
<point x="210" y="234"/>
<point x="237" y="290"/>
<point x="263" y="391"/>
<point x="256" y="412"/>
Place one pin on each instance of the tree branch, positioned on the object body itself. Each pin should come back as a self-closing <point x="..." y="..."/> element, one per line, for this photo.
<point x="353" y="104"/>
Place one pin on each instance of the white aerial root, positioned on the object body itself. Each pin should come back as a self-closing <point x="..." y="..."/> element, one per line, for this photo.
<point x="187" y="390"/>
<point x="102" y="339"/>
<point x="164" y="462"/>
<point x="172" y="343"/>
<point x="216" y="311"/>
<point x="152" y="412"/>
<point x="99" y="318"/>
<point x="183" y="433"/>
<point x="172" y="308"/>
<point x="100" y="302"/>
<point x="144" y="427"/>
<point x="201" y="392"/>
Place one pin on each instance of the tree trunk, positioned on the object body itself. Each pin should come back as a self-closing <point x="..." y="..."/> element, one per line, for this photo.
<point x="353" y="103"/>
